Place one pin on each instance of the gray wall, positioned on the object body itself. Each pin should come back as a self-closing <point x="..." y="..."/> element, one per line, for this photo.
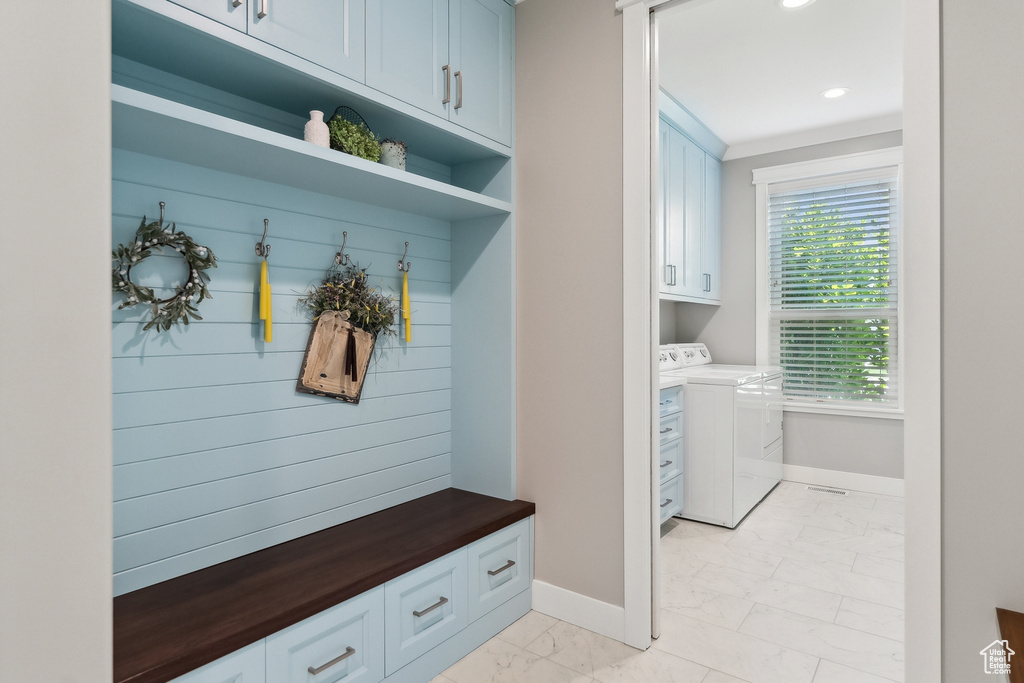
<point x="569" y="288"/>
<point x="873" y="446"/>
<point x="983" y="238"/>
<point x="55" y="349"/>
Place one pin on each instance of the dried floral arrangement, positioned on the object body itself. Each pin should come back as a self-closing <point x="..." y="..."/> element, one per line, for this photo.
<point x="346" y="289"/>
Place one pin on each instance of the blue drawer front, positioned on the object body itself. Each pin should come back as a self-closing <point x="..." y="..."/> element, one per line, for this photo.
<point x="423" y="608"/>
<point x="344" y="644"/>
<point x="242" y="666"/>
<point x="500" y="566"/>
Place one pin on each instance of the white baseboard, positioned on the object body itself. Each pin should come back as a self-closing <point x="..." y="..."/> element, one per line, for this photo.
<point x="585" y="612"/>
<point x="887" y="486"/>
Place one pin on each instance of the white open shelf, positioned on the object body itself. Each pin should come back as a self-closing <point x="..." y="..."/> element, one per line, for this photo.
<point x="159" y="127"/>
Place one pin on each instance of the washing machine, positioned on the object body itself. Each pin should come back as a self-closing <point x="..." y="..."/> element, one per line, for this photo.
<point x="732" y="424"/>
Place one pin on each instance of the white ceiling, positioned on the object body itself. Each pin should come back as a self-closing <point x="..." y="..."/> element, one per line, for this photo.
<point x="752" y="71"/>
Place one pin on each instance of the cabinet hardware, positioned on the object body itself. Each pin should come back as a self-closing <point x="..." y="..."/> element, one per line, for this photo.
<point x="458" y="89"/>
<point x="262" y="248"/>
<point x="403" y="265"/>
<point x="349" y="651"/>
<point x="666" y="463"/>
<point x="236" y="3"/>
<point x="264" y="7"/>
<point x="447" y="84"/>
<point x="341" y="258"/>
<point x="707" y="282"/>
<point x="433" y="607"/>
<point x="666" y="430"/>
<point x="495" y="572"/>
<point x="666" y="503"/>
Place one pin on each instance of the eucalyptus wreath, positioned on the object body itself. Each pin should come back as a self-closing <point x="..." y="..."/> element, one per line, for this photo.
<point x="179" y="307"/>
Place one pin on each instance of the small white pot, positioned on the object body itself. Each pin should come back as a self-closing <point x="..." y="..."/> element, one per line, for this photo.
<point x="392" y="153"/>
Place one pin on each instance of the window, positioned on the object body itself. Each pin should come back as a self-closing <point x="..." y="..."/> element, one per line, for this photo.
<point x="829" y="280"/>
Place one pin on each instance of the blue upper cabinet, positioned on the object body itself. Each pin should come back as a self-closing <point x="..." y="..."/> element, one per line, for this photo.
<point x="228" y="12"/>
<point x="407" y="51"/>
<point x="460" y="69"/>
<point x="481" y="55"/>
<point x="326" y="32"/>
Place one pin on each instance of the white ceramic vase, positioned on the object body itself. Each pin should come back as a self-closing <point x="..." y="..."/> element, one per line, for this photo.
<point x="392" y="153"/>
<point x="316" y="130"/>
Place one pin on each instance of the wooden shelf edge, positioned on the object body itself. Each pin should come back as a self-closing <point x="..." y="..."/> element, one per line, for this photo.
<point x="151" y="125"/>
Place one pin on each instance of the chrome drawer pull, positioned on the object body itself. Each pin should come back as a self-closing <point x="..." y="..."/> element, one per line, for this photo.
<point x="236" y="3"/>
<point x="263" y="9"/>
<point x="666" y="430"/>
<point x="349" y="651"/>
<point x="447" y="84"/>
<point x="458" y="90"/>
<point x="666" y="463"/>
<point x="666" y="503"/>
<point x="433" y="607"/>
<point x="495" y="572"/>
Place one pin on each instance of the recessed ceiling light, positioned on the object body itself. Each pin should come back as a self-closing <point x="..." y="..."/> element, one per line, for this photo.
<point x="794" y="4"/>
<point x="833" y="93"/>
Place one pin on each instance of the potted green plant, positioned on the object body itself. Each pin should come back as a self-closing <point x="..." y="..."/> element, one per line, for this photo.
<point x="349" y="316"/>
<point x="353" y="138"/>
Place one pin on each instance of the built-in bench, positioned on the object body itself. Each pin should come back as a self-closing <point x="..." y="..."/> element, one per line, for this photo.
<point x="171" y="628"/>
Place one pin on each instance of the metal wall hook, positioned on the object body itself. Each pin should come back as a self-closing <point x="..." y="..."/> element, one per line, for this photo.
<point x="262" y="248"/>
<point x="341" y="258"/>
<point x="162" y="205"/>
<point x="404" y="265"/>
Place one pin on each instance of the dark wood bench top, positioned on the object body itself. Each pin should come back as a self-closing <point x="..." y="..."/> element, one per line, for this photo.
<point x="1011" y="626"/>
<point x="170" y="628"/>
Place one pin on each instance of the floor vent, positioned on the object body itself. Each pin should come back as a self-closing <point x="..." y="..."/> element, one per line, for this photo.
<point x="822" y="489"/>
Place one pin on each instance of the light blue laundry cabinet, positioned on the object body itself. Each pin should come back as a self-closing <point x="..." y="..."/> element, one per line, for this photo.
<point x="326" y="32"/>
<point x="670" y="452"/>
<point x="451" y="58"/>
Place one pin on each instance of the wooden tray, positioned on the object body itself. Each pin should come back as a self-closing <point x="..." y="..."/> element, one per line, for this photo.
<point x="328" y="368"/>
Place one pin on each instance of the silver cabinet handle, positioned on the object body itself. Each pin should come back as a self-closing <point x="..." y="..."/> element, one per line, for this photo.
<point x="264" y="7"/>
<point x="495" y="572"/>
<point x="458" y="89"/>
<point x="447" y="84"/>
<point x="433" y="607"/>
<point x="666" y="430"/>
<point x="236" y="3"/>
<point x="666" y="503"/>
<point x="707" y="282"/>
<point x="349" y="651"/>
<point x="666" y="463"/>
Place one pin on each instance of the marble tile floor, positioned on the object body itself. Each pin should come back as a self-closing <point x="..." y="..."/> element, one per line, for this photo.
<point x="808" y="589"/>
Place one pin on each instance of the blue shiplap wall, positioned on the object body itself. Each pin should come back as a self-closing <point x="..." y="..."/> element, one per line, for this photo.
<point x="215" y="453"/>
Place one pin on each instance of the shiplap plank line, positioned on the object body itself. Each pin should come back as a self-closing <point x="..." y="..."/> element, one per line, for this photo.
<point x="153" y="180"/>
<point x="217" y="338"/>
<point x="239" y="307"/>
<point x="160" y="509"/>
<point x="295" y="265"/>
<point x="180" y="537"/>
<point x="160" y="570"/>
<point x="157" y="373"/>
<point x="143" y="408"/>
<point x="355" y="444"/>
<point x="322" y="414"/>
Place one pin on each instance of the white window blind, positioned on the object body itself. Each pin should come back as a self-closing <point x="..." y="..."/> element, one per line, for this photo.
<point x="833" y="263"/>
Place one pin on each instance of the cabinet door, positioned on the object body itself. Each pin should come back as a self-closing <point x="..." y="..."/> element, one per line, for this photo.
<point x="690" y="279"/>
<point x="480" y="50"/>
<point x="326" y="32"/>
<point x="243" y="666"/>
<point x="407" y="50"/>
<point x="712" y="237"/>
<point x="673" y="208"/>
<point x="224" y="11"/>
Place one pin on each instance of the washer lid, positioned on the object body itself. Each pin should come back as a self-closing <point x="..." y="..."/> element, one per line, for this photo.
<point x="729" y="375"/>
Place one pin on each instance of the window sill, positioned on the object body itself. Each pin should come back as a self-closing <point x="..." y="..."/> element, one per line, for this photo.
<point x="829" y="409"/>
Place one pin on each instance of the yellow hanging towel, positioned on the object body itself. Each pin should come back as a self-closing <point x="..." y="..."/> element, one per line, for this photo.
<point x="265" y="304"/>
<point x="405" y="306"/>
